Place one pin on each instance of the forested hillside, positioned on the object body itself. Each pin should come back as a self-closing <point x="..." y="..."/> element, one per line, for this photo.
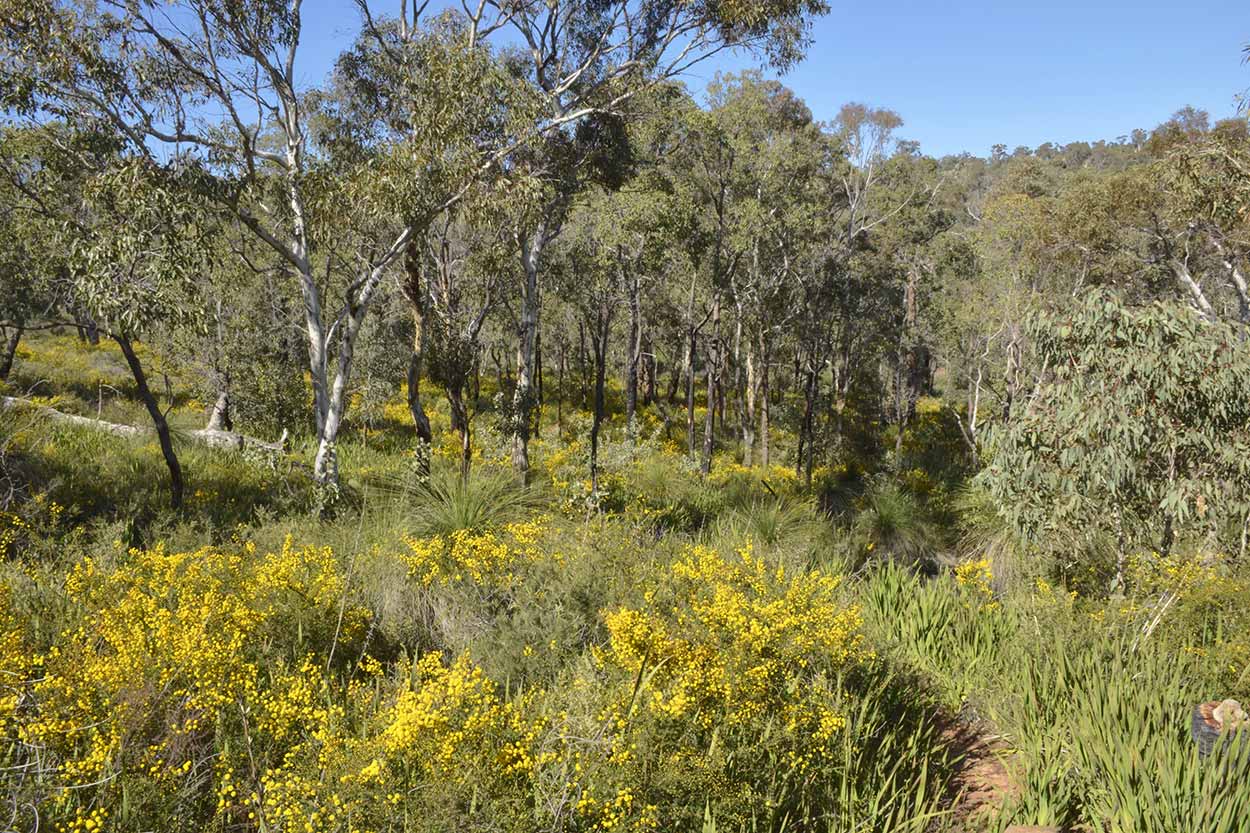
<point x="502" y="434"/>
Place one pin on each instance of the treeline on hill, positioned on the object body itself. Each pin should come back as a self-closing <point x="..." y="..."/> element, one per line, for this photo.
<point x="477" y="440"/>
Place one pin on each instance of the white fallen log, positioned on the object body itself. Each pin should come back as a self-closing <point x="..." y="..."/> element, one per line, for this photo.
<point x="207" y="436"/>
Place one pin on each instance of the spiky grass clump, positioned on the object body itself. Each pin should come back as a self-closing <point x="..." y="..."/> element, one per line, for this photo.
<point x="893" y="525"/>
<point x="985" y="534"/>
<point x="795" y="531"/>
<point x="449" y="502"/>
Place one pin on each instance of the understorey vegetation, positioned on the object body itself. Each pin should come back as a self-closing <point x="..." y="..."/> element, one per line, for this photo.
<point x="497" y="435"/>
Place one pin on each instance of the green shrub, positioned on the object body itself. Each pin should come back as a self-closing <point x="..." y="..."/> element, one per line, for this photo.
<point x="1094" y="696"/>
<point x="893" y="525"/>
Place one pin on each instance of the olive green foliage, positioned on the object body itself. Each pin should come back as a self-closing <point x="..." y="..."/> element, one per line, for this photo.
<point x="24" y="287"/>
<point x="138" y="258"/>
<point x="448" y="502"/>
<point x="677" y="462"/>
<point x="893" y="524"/>
<point x="547" y="707"/>
<point x="376" y="120"/>
<point x="1138" y="433"/>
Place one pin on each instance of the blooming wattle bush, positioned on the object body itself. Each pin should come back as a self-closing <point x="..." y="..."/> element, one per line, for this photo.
<point x="244" y="691"/>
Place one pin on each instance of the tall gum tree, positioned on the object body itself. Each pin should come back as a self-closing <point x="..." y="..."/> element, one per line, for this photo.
<point x="218" y="86"/>
<point x="383" y="93"/>
<point x="589" y="57"/>
<point x="136" y="254"/>
<point x="30" y="261"/>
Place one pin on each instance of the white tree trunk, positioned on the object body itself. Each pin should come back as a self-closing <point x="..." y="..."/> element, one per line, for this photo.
<point x="1195" y="289"/>
<point x="527" y="337"/>
<point x="219" y="416"/>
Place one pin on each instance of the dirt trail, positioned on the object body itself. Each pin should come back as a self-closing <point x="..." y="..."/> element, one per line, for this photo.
<point x="984" y="781"/>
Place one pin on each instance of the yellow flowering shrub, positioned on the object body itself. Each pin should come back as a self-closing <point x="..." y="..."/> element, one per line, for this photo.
<point x="294" y="731"/>
<point x="12" y="528"/>
<point x="433" y="747"/>
<point x="1183" y="575"/>
<point x="733" y="653"/>
<point x="976" y="578"/>
<point x="487" y="559"/>
<point x="1181" y="596"/>
<point x="160" y="653"/>
<point x="168" y="648"/>
<point x="737" y="633"/>
<point x="39" y="516"/>
<point x="452" y="716"/>
<point x="16" y="661"/>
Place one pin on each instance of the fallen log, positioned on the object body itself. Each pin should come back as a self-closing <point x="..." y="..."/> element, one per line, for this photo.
<point x="207" y="436"/>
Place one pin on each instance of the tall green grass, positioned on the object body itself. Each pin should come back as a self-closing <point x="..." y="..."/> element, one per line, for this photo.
<point x="1097" y="715"/>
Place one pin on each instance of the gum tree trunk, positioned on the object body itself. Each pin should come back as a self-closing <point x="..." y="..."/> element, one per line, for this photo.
<point x="158" y="420"/>
<point x="10" y="350"/>
<point x="634" y="354"/>
<point x="460" y="424"/>
<point x="599" y="342"/>
<point x="219" y="417"/>
<point x="764" y="401"/>
<point x="527" y="340"/>
<point x="713" y="384"/>
<point x="751" y="392"/>
<point x="412" y="293"/>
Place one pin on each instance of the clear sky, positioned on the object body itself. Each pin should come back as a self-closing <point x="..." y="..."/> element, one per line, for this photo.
<point x="968" y="74"/>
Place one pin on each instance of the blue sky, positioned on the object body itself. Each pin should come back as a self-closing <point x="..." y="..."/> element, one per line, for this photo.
<point x="967" y="74"/>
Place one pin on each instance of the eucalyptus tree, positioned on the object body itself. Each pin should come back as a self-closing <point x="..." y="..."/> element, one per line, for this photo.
<point x="152" y="71"/>
<point x="641" y="221"/>
<point x="591" y="269"/>
<point x="119" y="239"/>
<point x="17" y="286"/>
<point x="589" y="57"/>
<point x="384" y="92"/>
<point x="468" y="260"/>
<point x="1207" y="184"/>
<point x="1174" y="224"/>
<point x="137" y="248"/>
<point x="217" y="85"/>
<point x="667" y="141"/>
<point x="630" y="225"/>
<point x="713" y="164"/>
<point x="1139" y="432"/>
<point x="25" y="260"/>
<point x="921" y="211"/>
<point x="1119" y="229"/>
<point x="726" y="201"/>
<point x="614" y="242"/>
<point x="841" y="285"/>
<point x="42" y="176"/>
<point x="773" y="208"/>
<point x="965" y="333"/>
<point x="1019" y="245"/>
